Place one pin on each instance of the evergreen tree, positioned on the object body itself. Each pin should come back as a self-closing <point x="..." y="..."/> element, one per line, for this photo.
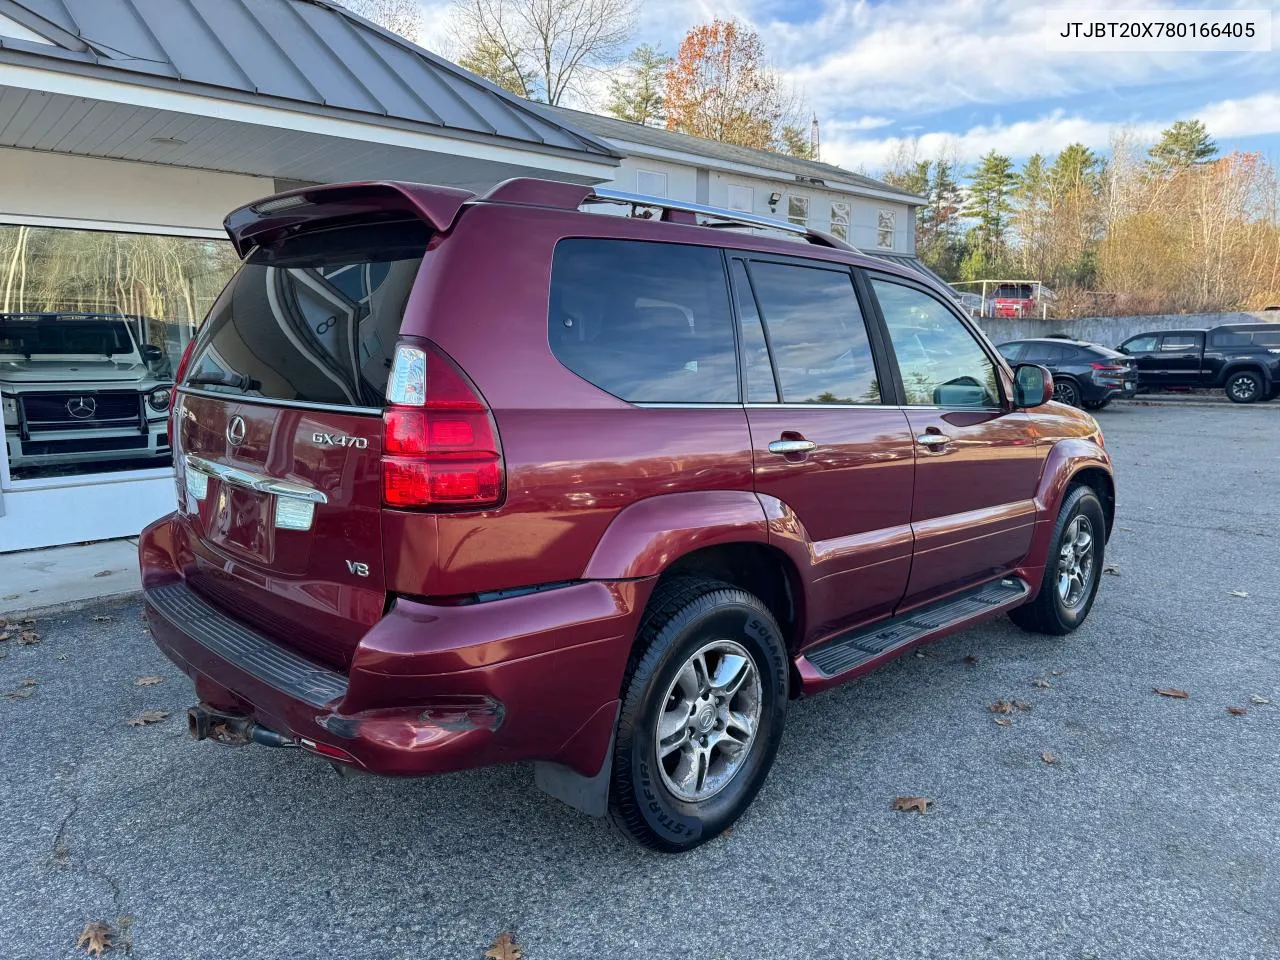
<point x="637" y="92"/>
<point x="1185" y="144"/>
<point x="990" y="203"/>
<point x="795" y="142"/>
<point x="488" y="59"/>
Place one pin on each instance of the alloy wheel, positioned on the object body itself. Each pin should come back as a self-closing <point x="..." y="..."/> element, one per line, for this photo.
<point x="1065" y="392"/>
<point x="1243" y="388"/>
<point x="1075" y="562"/>
<point x="708" y="721"/>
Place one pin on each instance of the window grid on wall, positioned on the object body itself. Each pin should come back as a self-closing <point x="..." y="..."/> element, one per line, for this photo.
<point x="651" y="183"/>
<point x="798" y="210"/>
<point x="886" y="222"/>
<point x="840" y="219"/>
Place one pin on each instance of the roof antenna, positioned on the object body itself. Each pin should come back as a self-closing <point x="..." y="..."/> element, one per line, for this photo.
<point x="814" y="143"/>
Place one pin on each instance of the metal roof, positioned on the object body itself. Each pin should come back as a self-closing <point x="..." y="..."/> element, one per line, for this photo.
<point x="312" y="55"/>
<point x="664" y="139"/>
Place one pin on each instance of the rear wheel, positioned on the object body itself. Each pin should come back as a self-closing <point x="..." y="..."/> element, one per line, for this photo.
<point x="703" y="704"/>
<point x="1097" y="405"/>
<point x="1066" y="391"/>
<point x="1245" y="386"/>
<point x="1073" y="568"/>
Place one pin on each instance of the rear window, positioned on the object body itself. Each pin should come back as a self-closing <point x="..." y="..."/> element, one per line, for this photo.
<point x="647" y="322"/>
<point x="54" y="334"/>
<point x="1013" y="291"/>
<point x="314" y="320"/>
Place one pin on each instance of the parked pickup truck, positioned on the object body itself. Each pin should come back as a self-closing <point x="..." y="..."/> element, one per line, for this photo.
<point x="1241" y="358"/>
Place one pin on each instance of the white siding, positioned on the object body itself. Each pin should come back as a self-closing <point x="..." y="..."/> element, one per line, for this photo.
<point x="682" y="184"/>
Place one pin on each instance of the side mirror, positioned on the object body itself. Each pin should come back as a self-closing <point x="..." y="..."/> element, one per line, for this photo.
<point x="151" y="353"/>
<point x="1032" y="385"/>
<point x="1123" y="349"/>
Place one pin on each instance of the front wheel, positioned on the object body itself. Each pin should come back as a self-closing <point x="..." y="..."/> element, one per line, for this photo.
<point x="703" y="704"/>
<point x="1244" y="386"/>
<point x="1073" y="569"/>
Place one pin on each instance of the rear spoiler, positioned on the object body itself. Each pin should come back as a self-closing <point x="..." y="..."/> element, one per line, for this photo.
<point x="273" y="218"/>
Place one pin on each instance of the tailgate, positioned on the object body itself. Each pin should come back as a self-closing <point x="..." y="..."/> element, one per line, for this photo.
<point x="279" y="435"/>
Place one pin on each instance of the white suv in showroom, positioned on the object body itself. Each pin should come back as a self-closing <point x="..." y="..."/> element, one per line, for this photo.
<point x="80" y="388"/>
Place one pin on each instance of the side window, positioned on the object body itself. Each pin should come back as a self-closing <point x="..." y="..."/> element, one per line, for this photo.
<point x="1179" y="342"/>
<point x="1046" y="354"/>
<point x="648" y="322"/>
<point x="940" y="361"/>
<point x="1010" y="351"/>
<point x="1233" y="339"/>
<point x="755" y="352"/>
<point x="816" y="331"/>
<point x="1141" y="344"/>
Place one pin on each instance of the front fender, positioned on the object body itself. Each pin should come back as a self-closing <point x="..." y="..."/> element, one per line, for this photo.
<point x="1067" y="459"/>
<point x="645" y="537"/>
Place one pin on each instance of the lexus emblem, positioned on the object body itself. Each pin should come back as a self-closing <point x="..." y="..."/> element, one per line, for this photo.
<point x="81" y="408"/>
<point x="235" y="431"/>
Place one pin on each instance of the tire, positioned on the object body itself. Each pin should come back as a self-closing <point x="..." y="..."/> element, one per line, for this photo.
<point x="1098" y="405"/>
<point x="688" y="617"/>
<point x="1244" y="386"/>
<point x="1066" y="391"/>
<point x="1051" y="612"/>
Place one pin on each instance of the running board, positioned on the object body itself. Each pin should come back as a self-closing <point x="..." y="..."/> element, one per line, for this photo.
<point x="857" y="647"/>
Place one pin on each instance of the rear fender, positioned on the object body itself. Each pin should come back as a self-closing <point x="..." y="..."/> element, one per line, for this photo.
<point x="647" y="536"/>
<point x="1251" y="365"/>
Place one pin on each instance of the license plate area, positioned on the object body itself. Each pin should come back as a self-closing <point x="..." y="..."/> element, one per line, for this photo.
<point x="241" y="521"/>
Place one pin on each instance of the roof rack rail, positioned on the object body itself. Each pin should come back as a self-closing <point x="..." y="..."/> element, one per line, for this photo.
<point x="570" y="196"/>
<point x="724" y="217"/>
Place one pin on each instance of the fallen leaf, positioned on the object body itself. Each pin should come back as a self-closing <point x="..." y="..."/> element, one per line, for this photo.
<point x="102" y="618"/>
<point x="1239" y="593"/>
<point x="1001" y="706"/>
<point x="147" y="717"/>
<point x="29" y="683"/>
<point x="28" y="637"/>
<point x="1057" y="673"/>
<point x="148" y="681"/>
<point x="504" y="947"/>
<point x="1237" y="711"/>
<point x="1041" y="682"/>
<point x="1259" y="700"/>
<point x="11" y="596"/>
<point x="919" y="804"/>
<point x="22" y="693"/>
<point x="1003" y="722"/>
<point x="1024" y="707"/>
<point x="95" y="938"/>
<point x="5" y="636"/>
<point x="1048" y="757"/>
<point x="1112" y="569"/>
<point x="103" y="573"/>
<point x="970" y="659"/>
<point x="1171" y="692"/>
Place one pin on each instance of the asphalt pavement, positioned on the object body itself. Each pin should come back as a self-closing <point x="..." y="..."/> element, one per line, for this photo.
<point x="1156" y="833"/>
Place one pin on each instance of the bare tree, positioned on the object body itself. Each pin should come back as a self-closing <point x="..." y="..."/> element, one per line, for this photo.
<point x="551" y="44"/>
<point x="399" y="16"/>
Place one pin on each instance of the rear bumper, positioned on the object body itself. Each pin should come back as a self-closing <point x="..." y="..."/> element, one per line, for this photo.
<point x="431" y="689"/>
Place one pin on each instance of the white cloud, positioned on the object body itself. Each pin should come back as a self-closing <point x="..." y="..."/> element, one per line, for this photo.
<point x="1248" y="116"/>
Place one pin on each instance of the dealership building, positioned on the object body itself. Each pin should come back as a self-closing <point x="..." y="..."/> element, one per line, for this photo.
<point x="128" y="130"/>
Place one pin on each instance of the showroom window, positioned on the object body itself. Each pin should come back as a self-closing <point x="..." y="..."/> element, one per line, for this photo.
<point x="92" y="326"/>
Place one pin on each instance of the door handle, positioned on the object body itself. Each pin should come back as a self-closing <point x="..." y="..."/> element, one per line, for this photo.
<point x="932" y="440"/>
<point x="791" y="446"/>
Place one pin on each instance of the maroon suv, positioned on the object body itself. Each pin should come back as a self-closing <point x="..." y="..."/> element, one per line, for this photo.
<point x="469" y="480"/>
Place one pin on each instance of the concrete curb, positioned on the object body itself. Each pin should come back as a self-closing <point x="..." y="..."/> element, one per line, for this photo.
<point x="52" y="610"/>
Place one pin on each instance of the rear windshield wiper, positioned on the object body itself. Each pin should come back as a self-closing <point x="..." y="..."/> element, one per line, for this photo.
<point x="238" y="381"/>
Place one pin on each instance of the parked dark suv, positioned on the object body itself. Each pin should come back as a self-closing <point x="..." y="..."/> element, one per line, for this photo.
<point x="1084" y="374"/>
<point x="471" y="480"/>
<point x="1243" y="359"/>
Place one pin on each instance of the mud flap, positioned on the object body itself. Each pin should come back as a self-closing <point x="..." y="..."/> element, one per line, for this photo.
<point x="589" y="795"/>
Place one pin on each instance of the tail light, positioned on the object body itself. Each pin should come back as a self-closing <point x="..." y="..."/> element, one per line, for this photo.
<point x="1109" y="367"/>
<point x="183" y="363"/>
<point x="439" y="439"/>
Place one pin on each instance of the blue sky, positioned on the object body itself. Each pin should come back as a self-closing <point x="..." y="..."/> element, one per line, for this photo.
<point x="973" y="75"/>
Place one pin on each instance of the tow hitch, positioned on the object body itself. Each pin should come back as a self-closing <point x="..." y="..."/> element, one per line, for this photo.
<point x="232" y="729"/>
